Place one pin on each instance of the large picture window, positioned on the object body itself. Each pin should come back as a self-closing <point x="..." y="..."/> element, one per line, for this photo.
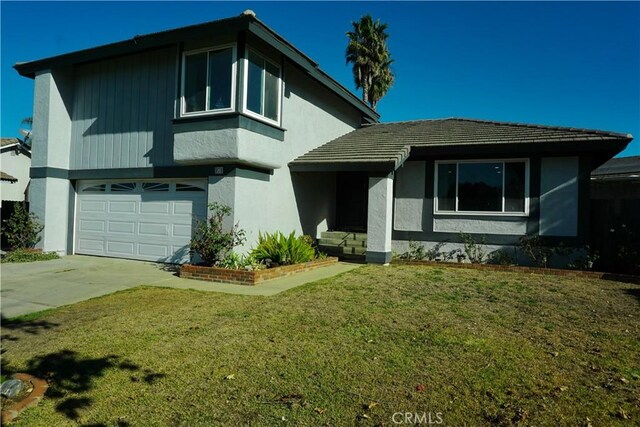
<point x="492" y="186"/>
<point x="262" y="87"/>
<point x="208" y="80"/>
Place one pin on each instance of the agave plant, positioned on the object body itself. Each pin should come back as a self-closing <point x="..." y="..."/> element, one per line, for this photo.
<point x="278" y="249"/>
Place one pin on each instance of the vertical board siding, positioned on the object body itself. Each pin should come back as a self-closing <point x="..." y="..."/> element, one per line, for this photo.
<point x="122" y="112"/>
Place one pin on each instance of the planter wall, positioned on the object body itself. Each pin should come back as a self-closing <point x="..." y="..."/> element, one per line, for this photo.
<point x="244" y="277"/>
<point x="531" y="270"/>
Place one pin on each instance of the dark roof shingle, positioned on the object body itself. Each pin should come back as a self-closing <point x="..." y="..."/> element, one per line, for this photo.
<point x="391" y="143"/>
<point x="7" y="177"/>
<point x="619" y="166"/>
<point x="8" y="141"/>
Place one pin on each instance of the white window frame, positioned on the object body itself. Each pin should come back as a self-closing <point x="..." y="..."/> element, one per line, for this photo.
<point x="482" y="213"/>
<point x="234" y="78"/>
<point x="245" y="83"/>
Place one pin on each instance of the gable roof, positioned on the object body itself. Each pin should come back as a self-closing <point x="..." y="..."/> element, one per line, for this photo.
<point x="246" y="21"/>
<point x="8" y="141"/>
<point x="385" y="146"/>
<point x="7" y="177"/>
<point x="619" y="167"/>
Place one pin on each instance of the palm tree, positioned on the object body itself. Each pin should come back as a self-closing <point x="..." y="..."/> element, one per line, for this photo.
<point x="367" y="51"/>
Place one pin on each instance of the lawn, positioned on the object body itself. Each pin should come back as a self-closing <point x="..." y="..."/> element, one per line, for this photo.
<point x="472" y="347"/>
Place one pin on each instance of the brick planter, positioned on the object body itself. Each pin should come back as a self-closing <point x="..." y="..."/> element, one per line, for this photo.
<point x="244" y="277"/>
<point x="521" y="269"/>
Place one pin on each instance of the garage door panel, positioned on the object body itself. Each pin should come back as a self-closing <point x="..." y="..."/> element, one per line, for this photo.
<point x="91" y="245"/>
<point x="120" y="248"/>
<point x="87" y="225"/>
<point x="137" y="224"/>
<point x="155" y="208"/>
<point x="92" y="206"/>
<point x="153" y="229"/>
<point x="153" y="250"/>
<point x="123" y="206"/>
<point x="122" y="227"/>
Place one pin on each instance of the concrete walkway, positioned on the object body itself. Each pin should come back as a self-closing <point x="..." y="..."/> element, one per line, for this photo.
<point x="30" y="287"/>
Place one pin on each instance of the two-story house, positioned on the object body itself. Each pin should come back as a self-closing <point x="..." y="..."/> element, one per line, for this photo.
<point x="133" y="139"/>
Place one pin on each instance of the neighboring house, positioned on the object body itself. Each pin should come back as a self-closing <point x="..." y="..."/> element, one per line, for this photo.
<point x="615" y="214"/>
<point x="15" y="161"/>
<point x="133" y="138"/>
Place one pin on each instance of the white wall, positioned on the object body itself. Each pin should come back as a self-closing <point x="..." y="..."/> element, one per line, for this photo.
<point x="16" y="164"/>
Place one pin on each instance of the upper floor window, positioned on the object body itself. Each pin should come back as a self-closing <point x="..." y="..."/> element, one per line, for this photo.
<point x="262" y="87"/>
<point x="489" y="187"/>
<point x="208" y="80"/>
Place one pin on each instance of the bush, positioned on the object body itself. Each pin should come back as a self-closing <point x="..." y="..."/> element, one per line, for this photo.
<point x="25" y="255"/>
<point x="539" y="254"/>
<point x="277" y="249"/>
<point x="501" y="257"/>
<point x="473" y="250"/>
<point x="210" y="241"/>
<point x="23" y="228"/>
<point x="233" y="261"/>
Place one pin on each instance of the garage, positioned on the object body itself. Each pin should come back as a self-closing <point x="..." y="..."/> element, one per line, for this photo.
<point x="146" y="220"/>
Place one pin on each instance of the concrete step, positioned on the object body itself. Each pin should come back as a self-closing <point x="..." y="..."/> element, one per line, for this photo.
<point x="342" y="250"/>
<point x="343" y="235"/>
<point x="341" y="242"/>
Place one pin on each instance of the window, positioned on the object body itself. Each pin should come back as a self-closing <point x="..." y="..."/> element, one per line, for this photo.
<point x="155" y="186"/>
<point x="188" y="187"/>
<point x="262" y="87"/>
<point x="98" y="188"/>
<point x="208" y="81"/>
<point x="492" y="186"/>
<point x="123" y="187"/>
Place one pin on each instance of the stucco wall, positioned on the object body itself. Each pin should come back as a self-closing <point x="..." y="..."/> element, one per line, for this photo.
<point x="16" y="164"/>
<point x="410" y="196"/>
<point x="559" y="196"/>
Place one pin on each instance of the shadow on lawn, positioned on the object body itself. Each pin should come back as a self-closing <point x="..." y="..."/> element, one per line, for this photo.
<point x="634" y="292"/>
<point x="67" y="371"/>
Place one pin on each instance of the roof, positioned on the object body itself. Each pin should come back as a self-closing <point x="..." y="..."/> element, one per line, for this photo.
<point x="8" y="141"/>
<point x="247" y="21"/>
<point x="619" y="167"/>
<point x="7" y="177"/>
<point x="386" y="146"/>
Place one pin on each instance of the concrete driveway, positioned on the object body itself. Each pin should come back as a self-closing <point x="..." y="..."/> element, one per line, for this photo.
<point x="30" y="287"/>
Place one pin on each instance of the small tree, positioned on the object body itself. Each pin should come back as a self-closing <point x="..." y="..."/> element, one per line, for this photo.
<point x="23" y="228"/>
<point x="209" y="239"/>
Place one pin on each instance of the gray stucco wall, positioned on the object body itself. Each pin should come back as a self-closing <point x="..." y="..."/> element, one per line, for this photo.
<point x="559" y="196"/>
<point x="122" y="112"/>
<point x="410" y="196"/>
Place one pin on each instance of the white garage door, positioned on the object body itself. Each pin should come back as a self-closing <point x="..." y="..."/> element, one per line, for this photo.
<point x="146" y="220"/>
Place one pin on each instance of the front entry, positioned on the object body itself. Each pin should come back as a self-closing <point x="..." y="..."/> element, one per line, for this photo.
<point x="352" y="195"/>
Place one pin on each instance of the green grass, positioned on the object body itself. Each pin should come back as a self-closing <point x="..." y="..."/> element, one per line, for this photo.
<point x="21" y="255"/>
<point x="481" y="348"/>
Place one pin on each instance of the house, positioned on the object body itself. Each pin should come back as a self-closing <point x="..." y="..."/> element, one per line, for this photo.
<point x="615" y="208"/>
<point x="134" y="138"/>
<point x="15" y="162"/>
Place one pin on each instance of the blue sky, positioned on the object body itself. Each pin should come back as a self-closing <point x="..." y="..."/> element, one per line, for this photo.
<point x="569" y="64"/>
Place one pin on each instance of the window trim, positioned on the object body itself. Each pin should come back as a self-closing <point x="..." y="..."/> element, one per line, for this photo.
<point x="234" y="78"/>
<point x="245" y="83"/>
<point x="526" y="162"/>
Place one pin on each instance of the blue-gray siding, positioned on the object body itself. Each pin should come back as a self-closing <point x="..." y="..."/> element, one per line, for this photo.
<point x="122" y="112"/>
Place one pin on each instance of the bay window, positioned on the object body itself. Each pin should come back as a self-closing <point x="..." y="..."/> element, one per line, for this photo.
<point x="262" y="88"/>
<point x="482" y="187"/>
<point x="208" y="80"/>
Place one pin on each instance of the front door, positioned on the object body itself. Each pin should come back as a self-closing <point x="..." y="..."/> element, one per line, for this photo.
<point x="352" y="195"/>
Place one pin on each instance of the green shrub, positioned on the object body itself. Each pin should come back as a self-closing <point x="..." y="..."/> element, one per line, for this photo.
<point x="277" y="249"/>
<point x="233" y="261"/>
<point x="22" y="229"/>
<point x="501" y="257"/>
<point x="538" y="253"/>
<point x="472" y="249"/>
<point x="209" y="239"/>
<point x="22" y="255"/>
